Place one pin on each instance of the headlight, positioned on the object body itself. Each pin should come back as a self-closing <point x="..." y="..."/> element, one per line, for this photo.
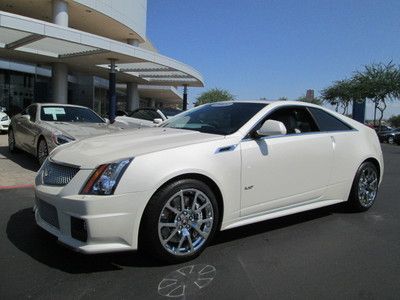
<point x="5" y="118"/>
<point x="105" y="178"/>
<point x="59" y="138"/>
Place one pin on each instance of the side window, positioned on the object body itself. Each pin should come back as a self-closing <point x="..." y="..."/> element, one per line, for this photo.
<point x="296" y="119"/>
<point x="32" y="112"/>
<point x="327" y="122"/>
<point x="145" y="114"/>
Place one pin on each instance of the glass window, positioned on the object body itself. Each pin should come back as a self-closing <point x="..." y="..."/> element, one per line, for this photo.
<point x="295" y="119"/>
<point x="327" y="122"/>
<point x="69" y="114"/>
<point x="145" y="114"/>
<point x="170" y="112"/>
<point x="218" y="118"/>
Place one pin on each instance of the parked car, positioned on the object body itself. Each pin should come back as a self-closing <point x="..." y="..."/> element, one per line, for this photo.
<point x="4" y="121"/>
<point x="388" y="136"/>
<point x="397" y="139"/>
<point x="168" y="189"/>
<point x="382" y="128"/>
<point x="146" y="117"/>
<point x="41" y="127"/>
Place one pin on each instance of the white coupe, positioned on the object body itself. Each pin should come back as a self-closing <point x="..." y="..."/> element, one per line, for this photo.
<point x="168" y="189"/>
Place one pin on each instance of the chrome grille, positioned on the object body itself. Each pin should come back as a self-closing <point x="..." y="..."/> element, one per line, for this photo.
<point x="55" y="174"/>
<point x="48" y="213"/>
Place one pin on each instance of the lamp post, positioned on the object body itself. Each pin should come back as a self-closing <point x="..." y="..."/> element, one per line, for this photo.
<point x="184" y="106"/>
<point x="112" y="97"/>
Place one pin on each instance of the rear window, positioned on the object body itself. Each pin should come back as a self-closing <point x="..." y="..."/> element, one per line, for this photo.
<point x="327" y="122"/>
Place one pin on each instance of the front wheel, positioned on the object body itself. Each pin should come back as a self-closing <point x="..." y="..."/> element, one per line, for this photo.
<point x="179" y="221"/>
<point x="391" y="140"/>
<point x="42" y="151"/>
<point x="365" y="188"/>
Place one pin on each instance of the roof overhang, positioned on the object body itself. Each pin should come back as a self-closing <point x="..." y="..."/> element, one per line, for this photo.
<point x="167" y="94"/>
<point x="40" y="42"/>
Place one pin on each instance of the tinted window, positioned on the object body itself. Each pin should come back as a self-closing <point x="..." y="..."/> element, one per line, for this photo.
<point x="69" y="114"/>
<point x="145" y="114"/>
<point x="327" y="122"/>
<point x="170" y="112"/>
<point x="295" y="119"/>
<point x="219" y="118"/>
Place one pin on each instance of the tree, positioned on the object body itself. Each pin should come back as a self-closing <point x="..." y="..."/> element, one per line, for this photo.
<point x="342" y="93"/>
<point x="394" y="121"/>
<point x="314" y="100"/>
<point x="380" y="83"/>
<point x="283" y="98"/>
<point x="214" y="95"/>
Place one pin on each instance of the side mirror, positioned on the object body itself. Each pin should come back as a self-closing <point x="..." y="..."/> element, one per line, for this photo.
<point x="157" y="121"/>
<point x="271" y="127"/>
<point x="27" y="117"/>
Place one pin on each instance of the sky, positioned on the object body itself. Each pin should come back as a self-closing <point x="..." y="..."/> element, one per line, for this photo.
<point x="276" y="48"/>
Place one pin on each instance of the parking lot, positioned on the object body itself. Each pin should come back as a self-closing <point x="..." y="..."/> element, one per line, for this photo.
<point x="325" y="253"/>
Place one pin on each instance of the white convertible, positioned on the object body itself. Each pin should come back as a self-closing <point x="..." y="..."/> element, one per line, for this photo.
<point x="167" y="190"/>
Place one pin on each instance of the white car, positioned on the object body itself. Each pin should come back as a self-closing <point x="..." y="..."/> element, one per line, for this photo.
<point x="168" y="189"/>
<point x="145" y="117"/>
<point x="4" y="122"/>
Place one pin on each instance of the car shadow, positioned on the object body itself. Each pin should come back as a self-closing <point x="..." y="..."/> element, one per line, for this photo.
<point x="24" y="234"/>
<point x="23" y="159"/>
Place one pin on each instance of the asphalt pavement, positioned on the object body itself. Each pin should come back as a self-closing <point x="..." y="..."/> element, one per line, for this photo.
<point x="326" y="253"/>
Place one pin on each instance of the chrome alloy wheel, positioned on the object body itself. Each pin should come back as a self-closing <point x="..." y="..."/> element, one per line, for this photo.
<point x="185" y="222"/>
<point x="42" y="152"/>
<point x="367" y="186"/>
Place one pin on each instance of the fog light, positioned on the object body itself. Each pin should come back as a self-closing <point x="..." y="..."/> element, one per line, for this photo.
<point x="78" y="229"/>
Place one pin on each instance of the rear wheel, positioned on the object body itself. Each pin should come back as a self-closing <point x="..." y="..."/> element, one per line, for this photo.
<point x="42" y="151"/>
<point x="11" y="141"/>
<point x="179" y="221"/>
<point x="365" y="187"/>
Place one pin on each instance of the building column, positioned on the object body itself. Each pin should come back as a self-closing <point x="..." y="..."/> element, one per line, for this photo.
<point x="60" y="13"/>
<point x="132" y="93"/>
<point x="60" y="82"/>
<point x="60" y="70"/>
<point x="112" y="94"/>
<point x="132" y="96"/>
<point x="184" y="106"/>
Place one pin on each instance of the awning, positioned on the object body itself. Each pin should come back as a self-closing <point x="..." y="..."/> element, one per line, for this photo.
<point x="40" y="42"/>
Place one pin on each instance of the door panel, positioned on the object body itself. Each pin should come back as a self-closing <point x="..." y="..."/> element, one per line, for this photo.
<point x="284" y="170"/>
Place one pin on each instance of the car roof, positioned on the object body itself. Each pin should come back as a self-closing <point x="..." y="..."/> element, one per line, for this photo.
<point x="59" y="104"/>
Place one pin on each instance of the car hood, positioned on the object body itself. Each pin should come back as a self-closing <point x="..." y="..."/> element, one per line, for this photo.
<point x="92" y="152"/>
<point x="81" y="130"/>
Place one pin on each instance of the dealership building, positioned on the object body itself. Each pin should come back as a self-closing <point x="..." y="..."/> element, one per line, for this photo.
<point x="85" y="52"/>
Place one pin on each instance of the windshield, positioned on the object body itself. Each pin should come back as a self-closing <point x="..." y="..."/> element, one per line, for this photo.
<point x="69" y="114"/>
<point x="218" y="118"/>
<point x="170" y="112"/>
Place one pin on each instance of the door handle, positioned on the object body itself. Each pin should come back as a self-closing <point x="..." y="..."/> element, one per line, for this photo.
<point x="333" y="141"/>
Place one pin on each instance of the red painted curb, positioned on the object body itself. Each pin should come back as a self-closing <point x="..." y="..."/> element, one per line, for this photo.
<point x="21" y="186"/>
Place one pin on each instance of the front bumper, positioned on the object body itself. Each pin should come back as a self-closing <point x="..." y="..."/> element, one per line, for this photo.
<point x="91" y="224"/>
<point x="4" y="125"/>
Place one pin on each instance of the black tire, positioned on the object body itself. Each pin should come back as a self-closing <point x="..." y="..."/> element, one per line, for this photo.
<point x="390" y="140"/>
<point x="150" y="241"/>
<point x="42" y="153"/>
<point x="356" y="201"/>
<point x="11" y="141"/>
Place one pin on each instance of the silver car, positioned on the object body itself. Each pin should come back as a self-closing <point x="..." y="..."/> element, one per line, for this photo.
<point x="145" y="117"/>
<point x="41" y="127"/>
